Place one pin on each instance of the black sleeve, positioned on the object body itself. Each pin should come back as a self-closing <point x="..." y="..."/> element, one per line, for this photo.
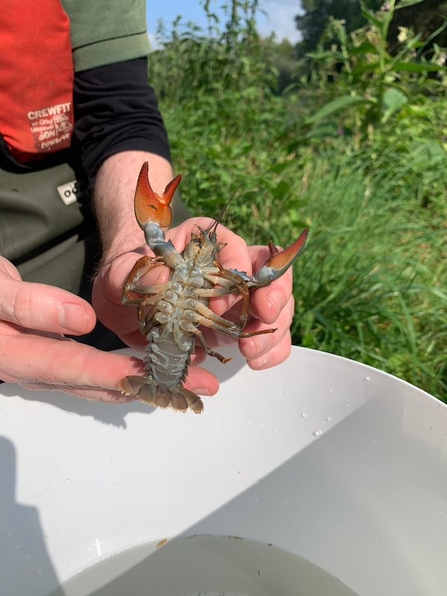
<point x="116" y="110"/>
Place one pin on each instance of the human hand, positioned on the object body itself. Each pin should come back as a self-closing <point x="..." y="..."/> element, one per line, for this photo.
<point x="271" y="306"/>
<point x="34" y="352"/>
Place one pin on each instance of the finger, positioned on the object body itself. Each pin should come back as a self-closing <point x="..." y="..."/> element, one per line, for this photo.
<point x="36" y="359"/>
<point x="104" y="395"/>
<point x="267" y="303"/>
<point x="201" y="381"/>
<point x="64" y="365"/>
<point x="258" y="346"/>
<point x="8" y="268"/>
<point x="44" y="308"/>
<point x="273" y="357"/>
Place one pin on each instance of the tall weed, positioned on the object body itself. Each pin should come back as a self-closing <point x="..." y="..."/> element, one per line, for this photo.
<point x="369" y="182"/>
<point x="367" y="83"/>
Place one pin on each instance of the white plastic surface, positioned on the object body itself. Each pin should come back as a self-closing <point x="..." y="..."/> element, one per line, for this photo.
<point x="336" y="462"/>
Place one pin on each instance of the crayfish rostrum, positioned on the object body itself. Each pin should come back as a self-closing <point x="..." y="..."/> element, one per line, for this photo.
<point x="170" y="314"/>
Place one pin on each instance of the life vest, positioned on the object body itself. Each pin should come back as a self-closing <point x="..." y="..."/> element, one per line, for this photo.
<point x="36" y="78"/>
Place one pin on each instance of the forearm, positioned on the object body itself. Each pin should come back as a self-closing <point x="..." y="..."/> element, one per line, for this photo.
<point x="113" y="197"/>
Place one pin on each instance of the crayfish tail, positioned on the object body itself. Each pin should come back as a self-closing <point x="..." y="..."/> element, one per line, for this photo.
<point x="191" y="400"/>
<point x="151" y="393"/>
<point x="131" y="385"/>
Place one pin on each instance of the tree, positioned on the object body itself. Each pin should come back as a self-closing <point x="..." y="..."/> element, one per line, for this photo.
<point x="426" y="18"/>
<point x="313" y="21"/>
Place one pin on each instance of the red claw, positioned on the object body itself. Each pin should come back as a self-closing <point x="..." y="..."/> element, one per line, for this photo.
<point x="151" y="207"/>
<point x="279" y="262"/>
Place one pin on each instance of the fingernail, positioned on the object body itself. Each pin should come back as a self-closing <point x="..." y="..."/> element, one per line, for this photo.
<point x="259" y="363"/>
<point x="72" y="318"/>
<point x="203" y="391"/>
<point x="275" y="299"/>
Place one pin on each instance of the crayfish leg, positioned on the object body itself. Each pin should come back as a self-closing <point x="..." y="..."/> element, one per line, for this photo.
<point x="141" y="267"/>
<point x="208" y="351"/>
<point x="241" y="287"/>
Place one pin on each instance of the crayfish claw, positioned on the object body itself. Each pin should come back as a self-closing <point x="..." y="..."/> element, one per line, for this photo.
<point x="151" y="207"/>
<point x="278" y="263"/>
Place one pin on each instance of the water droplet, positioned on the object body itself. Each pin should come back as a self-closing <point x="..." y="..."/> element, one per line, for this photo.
<point x="367" y="379"/>
<point x="28" y="556"/>
<point x="248" y="421"/>
<point x="337" y="527"/>
<point x="260" y="425"/>
<point x="440" y="512"/>
<point x="317" y="433"/>
<point x="39" y="571"/>
<point x="304" y="414"/>
<point x="348" y="405"/>
<point x="67" y="480"/>
<point x="18" y="546"/>
<point x="97" y="437"/>
<point x="275" y="430"/>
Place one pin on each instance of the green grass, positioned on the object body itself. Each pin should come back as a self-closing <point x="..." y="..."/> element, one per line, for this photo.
<point x="371" y="284"/>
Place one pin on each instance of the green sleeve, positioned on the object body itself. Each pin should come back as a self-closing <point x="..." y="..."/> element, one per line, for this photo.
<point x="106" y="31"/>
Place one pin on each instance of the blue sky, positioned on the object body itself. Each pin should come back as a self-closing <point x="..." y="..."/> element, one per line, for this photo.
<point x="279" y="15"/>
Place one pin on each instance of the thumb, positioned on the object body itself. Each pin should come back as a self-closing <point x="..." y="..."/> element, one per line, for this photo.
<point x="41" y="307"/>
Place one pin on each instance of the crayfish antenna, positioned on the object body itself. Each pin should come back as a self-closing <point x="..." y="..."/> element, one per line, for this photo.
<point x="151" y="207"/>
<point x="213" y="227"/>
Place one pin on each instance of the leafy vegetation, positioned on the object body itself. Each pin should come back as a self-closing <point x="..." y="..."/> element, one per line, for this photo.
<point x="356" y="151"/>
<point x="315" y="15"/>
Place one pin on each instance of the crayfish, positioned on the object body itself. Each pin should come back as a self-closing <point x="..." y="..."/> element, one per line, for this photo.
<point x="170" y="314"/>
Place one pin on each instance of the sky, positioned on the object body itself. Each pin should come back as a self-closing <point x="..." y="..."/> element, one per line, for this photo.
<point x="278" y="18"/>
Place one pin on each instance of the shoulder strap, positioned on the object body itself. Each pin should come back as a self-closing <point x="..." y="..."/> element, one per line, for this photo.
<point x="36" y="78"/>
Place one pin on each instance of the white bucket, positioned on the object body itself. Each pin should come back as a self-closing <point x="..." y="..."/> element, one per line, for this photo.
<point x="318" y="477"/>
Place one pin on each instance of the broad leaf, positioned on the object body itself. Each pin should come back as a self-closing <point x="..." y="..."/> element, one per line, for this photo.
<point x="337" y="105"/>
<point x="393" y="100"/>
